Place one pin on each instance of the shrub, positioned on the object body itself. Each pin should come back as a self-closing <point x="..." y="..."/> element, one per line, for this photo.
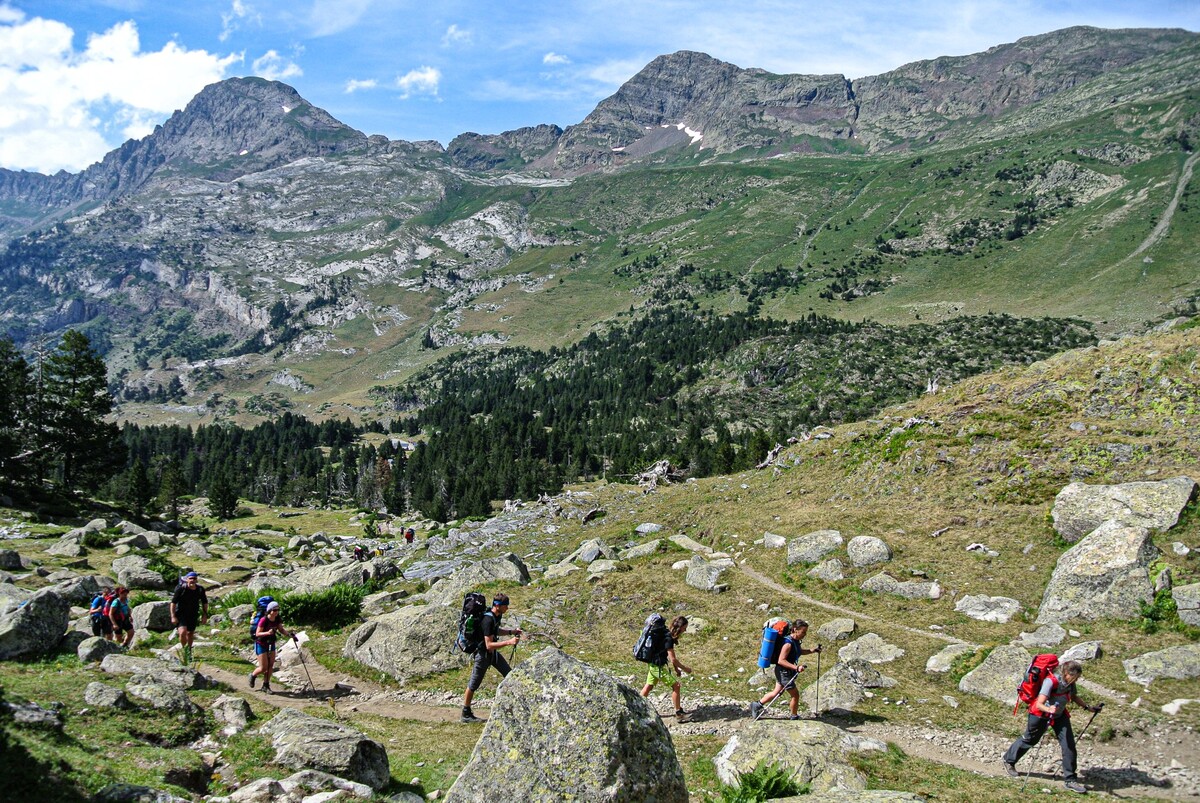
<point x="169" y="571"/>
<point x="333" y="607"/>
<point x="764" y="782"/>
<point x="98" y="539"/>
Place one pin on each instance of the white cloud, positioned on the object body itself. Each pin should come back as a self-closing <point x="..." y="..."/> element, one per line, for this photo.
<point x="274" y="67"/>
<point x="555" y="58"/>
<point x="456" y="36"/>
<point x="421" y="81"/>
<point x="232" y="19"/>
<point x="614" y="73"/>
<point x="329" y="17"/>
<point x="354" y="84"/>
<point x="62" y="108"/>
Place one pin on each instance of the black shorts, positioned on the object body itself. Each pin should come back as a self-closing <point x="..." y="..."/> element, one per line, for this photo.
<point x="188" y="622"/>
<point x="124" y="626"/>
<point x="101" y="626"/>
<point x="785" y="677"/>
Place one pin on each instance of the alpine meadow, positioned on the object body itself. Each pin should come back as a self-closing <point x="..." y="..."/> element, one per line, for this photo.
<point x="900" y="374"/>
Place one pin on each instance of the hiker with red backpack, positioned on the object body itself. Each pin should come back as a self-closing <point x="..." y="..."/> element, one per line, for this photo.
<point x="787" y="668"/>
<point x="1047" y="695"/>
<point x="662" y="659"/>
<point x="487" y="650"/>
<point x="101" y="623"/>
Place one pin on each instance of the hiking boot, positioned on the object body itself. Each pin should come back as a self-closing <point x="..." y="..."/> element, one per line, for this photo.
<point x="469" y="716"/>
<point x="267" y="689"/>
<point x="756" y="709"/>
<point x="794" y="717"/>
<point x="1010" y="769"/>
<point x="1075" y="786"/>
<point x="681" y="715"/>
<point x="253" y="677"/>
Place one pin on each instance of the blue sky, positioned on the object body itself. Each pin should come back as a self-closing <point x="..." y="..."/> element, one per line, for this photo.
<point x="78" y="77"/>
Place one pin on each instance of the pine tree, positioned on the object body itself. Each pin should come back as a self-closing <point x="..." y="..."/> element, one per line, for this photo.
<point x="222" y="498"/>
<point x="74" y="402"/>
<point x="15" y="389"/>
<point x="138" y="493"/>
<point x="171" y="486"/>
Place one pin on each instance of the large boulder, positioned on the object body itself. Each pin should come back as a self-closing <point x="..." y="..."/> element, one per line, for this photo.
<point x="164" y="696"/>
<point x="943" y="661"/>
<point x="813" y="752"/>
<point x="811" y="547"/>
<point x="142" y="579"/>
<point x="160" y="671"/>
<point x="871" y="648"/>
<point x="409" y="643"/>
<point x="1079" y="509"/>
<point x="840" y="629"/>
<point x="12" y="596"/>
<point x="592" y="550"/>
<point x="1187" y="603"/>
<point x="80" y="591"/>
<point x="35" y="627"/>
<point x="153" y="616"/>
<point x="884" y="583"/>
<point x="233" y="712"/>
<point x="867" y="550"/>
<point x="96" y="648"/>
<point x="128" y="562"/>
<point x="10" y="560"/>
<point x="506" y="569"/>
<point x="347" y="571"/>
<point x="988" y="609"/>
<point x="999" y="675"/>
<point x="563" y="730"/>
<point x="1177" y="663"/>
<point x="302" y="741"/>
<point x="828" y="570"/>
<point x="1107" y="574"/>
<point x="843" y="686"/>
<point x="704" y="575"/>
<point x="104" y="696"/>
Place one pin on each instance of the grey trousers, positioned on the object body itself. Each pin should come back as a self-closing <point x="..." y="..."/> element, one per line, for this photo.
<point x="1035" y="728"/>
<point x="484" y="659"/>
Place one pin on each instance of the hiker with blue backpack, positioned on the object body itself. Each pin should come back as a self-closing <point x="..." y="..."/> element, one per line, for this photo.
<point x="656" y="647"/>
<point x="480" y="639"/>
<point x="102" y="625"/>
<point x="784" y="653"/>
<point x="268" y="625"/>
<point x="1048" y="710"/>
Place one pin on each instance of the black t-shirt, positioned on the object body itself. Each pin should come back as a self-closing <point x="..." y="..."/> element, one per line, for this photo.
<point x="668" y="644"/>
<point x="187" y="601"/>
<point x="491" y="626"/>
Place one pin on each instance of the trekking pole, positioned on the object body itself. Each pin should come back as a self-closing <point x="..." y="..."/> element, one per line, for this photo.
<point x="300" y="652"/>
<point x="1037" y="750"/>
<point x="790" y="684"/>
<point x="1099" y="708"/>
<point x="817" y="685"/>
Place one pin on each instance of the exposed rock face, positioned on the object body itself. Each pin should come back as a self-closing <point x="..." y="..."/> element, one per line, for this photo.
<point x="641" y="550"/>
<point x="999" y="675"/>
<point x="512" y="149"/>
<point x="811" y="547"/>
<point x="1105" y="574"/>
<point x="590" y="551"/>
<point x="988" y="609"/>
<point x="843" y="686"/>
<point x="560" y="729"/>
<point x="411" y="642"/>
<point x="507" y="568"/>
<point x="941" y="662"/>
<point x="1079" y="509"/>
<point x="302" y="741"/>
<point x="35" y="627"/>
<point x="815" y="753"/>
<point x="828" y="570"/>
<point x="166" y="696"/>
<point x="1187" y="603"/>
<point x="1179" y="663"/>
<point x="867" y="550"/>
<point x="347" y="571"/>
<point x="704" y="575"/>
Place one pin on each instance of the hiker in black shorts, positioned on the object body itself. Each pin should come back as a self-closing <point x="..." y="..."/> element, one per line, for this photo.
<point x="787" y="671"/>
<point x="186" y="606"/>
<point x="488" y="653"/>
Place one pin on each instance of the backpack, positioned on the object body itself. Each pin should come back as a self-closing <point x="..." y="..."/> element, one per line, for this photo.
<point x="1043" y="666"/>
<point x="774" y="635"/>
<point x="260" y="610"/>
<point x="470" y="623"/>
<point x="651" y="647"/>
<point x="101" y="602"/>
<point x="106" y="611"/>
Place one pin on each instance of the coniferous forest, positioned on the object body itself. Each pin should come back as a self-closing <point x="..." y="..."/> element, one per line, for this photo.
<point x="710" y="393"/>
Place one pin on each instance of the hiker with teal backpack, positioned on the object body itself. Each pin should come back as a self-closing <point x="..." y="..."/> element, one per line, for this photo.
<point x="186" y="606"/>
<point x="1048" y="710"/>
<point x="657" y="644"/>
<point x="785" y="656"/>
<point x="482" y="643"/>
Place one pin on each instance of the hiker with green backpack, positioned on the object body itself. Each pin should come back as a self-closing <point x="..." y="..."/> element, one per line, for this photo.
<point x="785" y="656"/>
<point x="480" y="640"/>
<point x="656" y="646"/>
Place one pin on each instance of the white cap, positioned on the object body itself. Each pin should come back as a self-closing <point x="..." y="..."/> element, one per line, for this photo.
<point x="273" y="606"/>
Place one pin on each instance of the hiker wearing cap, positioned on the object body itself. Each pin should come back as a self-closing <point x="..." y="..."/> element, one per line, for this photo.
<point x="189" y="606"/>
<point x="787" y="670"/>
<point x="121" y="616"/>
<point x="488" y="653"/>
<point x="661" y="673"/>
<point x="264" y="644"/>
<point x="1049" y="710"/>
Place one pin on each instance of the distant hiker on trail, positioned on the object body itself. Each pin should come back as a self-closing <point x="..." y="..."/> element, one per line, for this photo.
<point x="101" y="623"/>
<point x="121" y="616"/>
<point x="666" y="660"/>
<point x="359" y="552"/>
<point x="264" y="644"/>
<point x="487" y="653"/>
<point x="189" y="606"/>
<point x="409" y="535"/>
<point x="1049" y="710"/>
<point x="787" y="670"/>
